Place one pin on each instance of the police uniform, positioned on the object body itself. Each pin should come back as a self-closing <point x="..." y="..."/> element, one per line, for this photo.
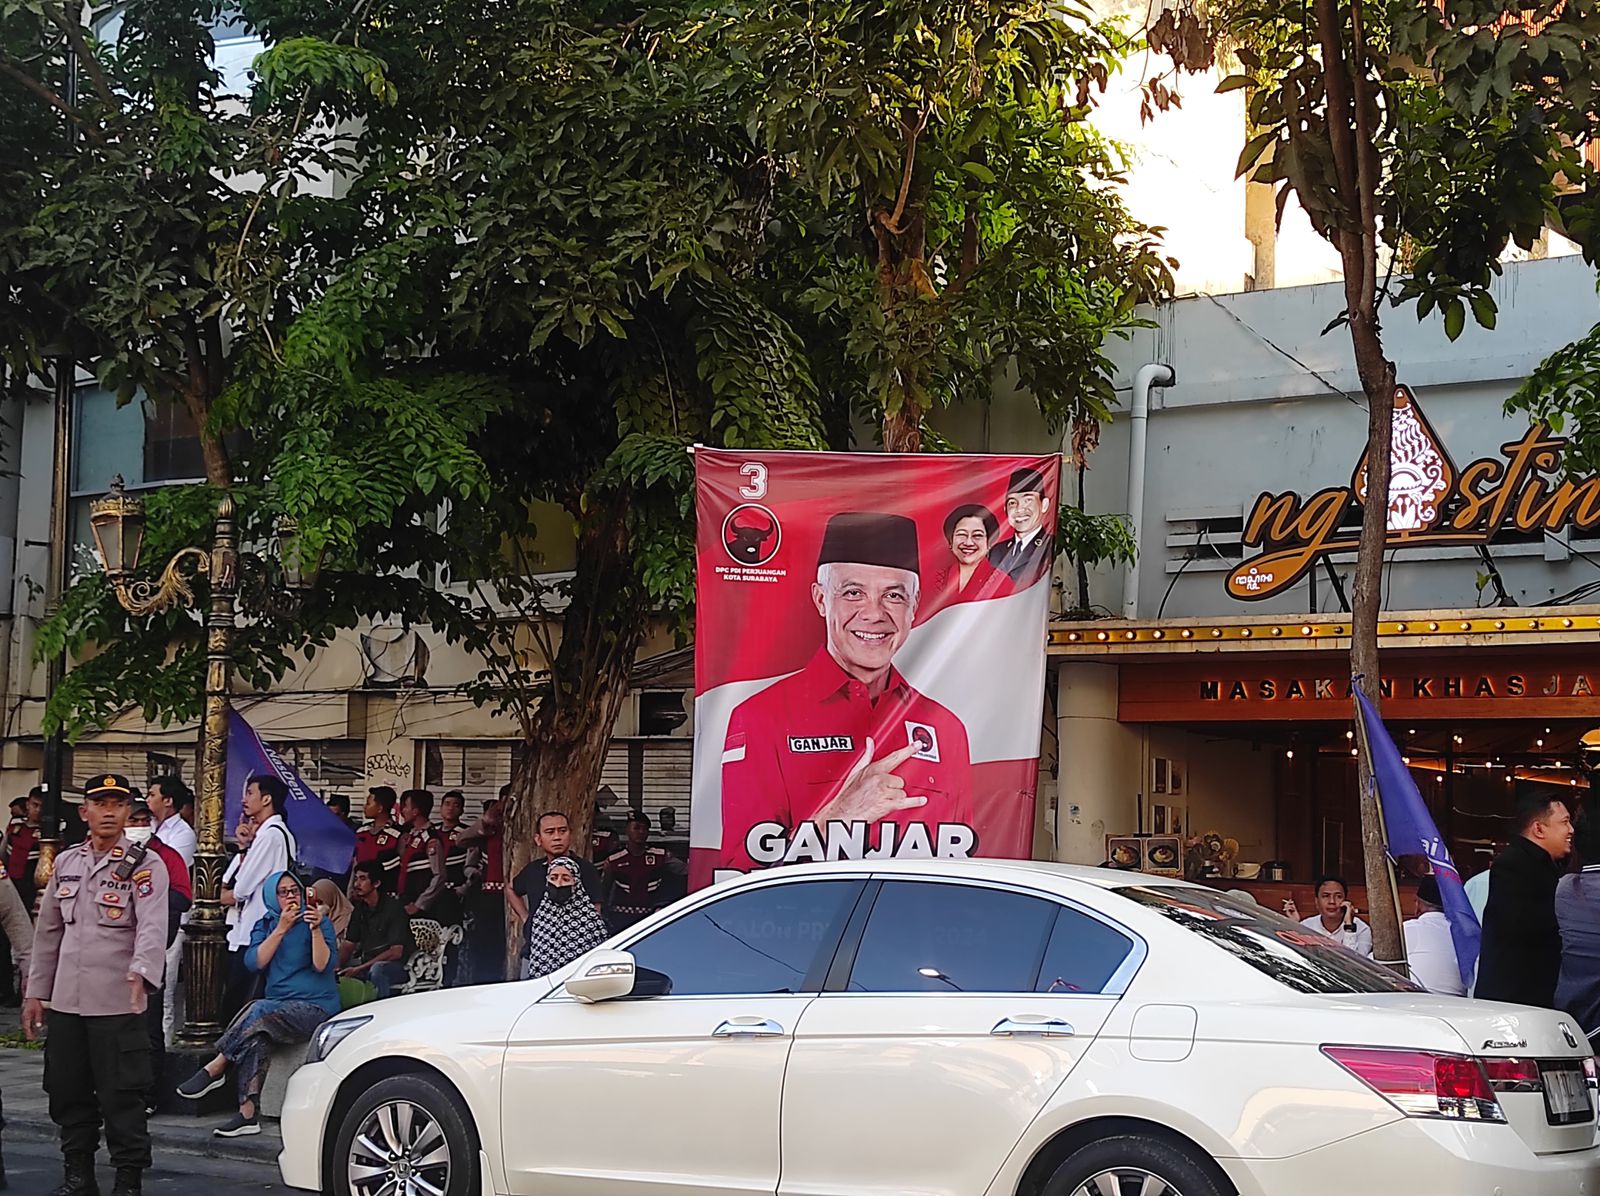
<point x="382" y="845"/>
<point x="790" y="747"/>
<point x="102" y="923"/>
<point x="636" y="884"/>
<point x="419" y="875"/>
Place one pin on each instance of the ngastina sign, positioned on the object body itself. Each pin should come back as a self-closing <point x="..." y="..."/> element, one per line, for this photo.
<point x="1430" y="503"/>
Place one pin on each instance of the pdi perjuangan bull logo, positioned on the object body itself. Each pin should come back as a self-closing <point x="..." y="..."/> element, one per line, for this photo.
<point x="751" y="534"/>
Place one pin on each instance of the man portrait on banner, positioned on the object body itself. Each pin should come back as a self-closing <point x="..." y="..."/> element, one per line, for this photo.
<point x="847" y="739"/>
<point x="1024" y="555"/>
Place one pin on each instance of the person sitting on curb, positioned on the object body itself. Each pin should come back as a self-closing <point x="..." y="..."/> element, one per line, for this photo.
<point x="378" y="938"/>
<point x="293" y="946"/>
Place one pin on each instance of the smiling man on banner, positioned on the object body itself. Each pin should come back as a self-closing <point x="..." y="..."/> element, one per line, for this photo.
<point x="1411" y="831"/>
<point x="845" y="758"/>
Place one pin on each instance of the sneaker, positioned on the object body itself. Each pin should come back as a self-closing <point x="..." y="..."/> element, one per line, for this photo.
<point x="201" y="1083"/>
<point x="237" y="1126"/>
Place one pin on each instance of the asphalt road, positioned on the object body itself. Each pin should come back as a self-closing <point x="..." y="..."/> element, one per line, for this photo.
<point x="35" y="1168"/>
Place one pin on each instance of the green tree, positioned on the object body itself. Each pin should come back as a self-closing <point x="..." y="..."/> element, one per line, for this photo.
<point x="577" y="240"/>
<point x="1353" y="110"/>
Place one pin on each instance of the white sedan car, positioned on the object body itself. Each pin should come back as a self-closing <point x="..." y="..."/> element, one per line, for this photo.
<point x="976" y="1028"/>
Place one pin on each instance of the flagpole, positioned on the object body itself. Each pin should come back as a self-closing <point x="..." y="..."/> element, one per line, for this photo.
<point x="1364" y="745"/>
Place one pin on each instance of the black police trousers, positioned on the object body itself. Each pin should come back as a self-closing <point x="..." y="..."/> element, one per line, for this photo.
<point x="97" y="1069"/>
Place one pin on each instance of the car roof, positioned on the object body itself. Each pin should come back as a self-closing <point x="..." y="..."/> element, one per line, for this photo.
<point x="977" y="869"/>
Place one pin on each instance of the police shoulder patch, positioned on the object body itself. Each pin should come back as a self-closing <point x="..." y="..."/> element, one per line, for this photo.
<point x="142" y="874"/>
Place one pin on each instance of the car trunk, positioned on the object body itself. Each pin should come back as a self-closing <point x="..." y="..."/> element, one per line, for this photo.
<point x="1551" y="1108"/>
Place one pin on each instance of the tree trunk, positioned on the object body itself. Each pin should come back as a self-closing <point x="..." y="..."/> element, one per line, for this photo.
<point x="1377" y="376"/>
<point x="903" y="282"/>
<point x="602" y="629"/>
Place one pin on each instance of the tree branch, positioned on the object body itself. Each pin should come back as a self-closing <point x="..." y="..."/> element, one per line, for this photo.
<point x="913" y="134"/>
<point x="86" y="58"/>
<point x="1366" y="167"/>
<point x="16" y="73"/>
<point x="1341" y="132"/>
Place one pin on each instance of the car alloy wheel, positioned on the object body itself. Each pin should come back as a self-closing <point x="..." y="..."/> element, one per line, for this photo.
<point x="1126" y="1181"/>
<point x="400" y="1150"/>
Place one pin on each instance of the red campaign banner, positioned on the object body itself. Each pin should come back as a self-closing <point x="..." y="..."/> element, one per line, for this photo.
<point x="869" y="655"/>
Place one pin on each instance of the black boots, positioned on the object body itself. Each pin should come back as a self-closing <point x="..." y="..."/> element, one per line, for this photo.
<point x="128" y="1182"/>
<point x="78" y="1177"/>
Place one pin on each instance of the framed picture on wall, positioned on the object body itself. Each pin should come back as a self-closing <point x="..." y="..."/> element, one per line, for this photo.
<point x="1167" y="820"/>
<point x="1124" y="852"/>
<point x="1175" y="779"/>
<point x="1163" y="855"/>
<point x="1159" y="782"/>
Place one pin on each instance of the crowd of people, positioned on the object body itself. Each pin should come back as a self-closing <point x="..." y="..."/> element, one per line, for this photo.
<point x="104" y="953"/>
<point x="1539" y="908"/>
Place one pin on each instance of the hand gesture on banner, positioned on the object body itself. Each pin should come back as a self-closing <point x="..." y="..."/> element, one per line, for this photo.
<point x="871" y="790"/>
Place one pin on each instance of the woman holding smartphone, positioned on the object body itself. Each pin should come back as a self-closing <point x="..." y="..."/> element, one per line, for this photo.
<point x="293" y="949"/>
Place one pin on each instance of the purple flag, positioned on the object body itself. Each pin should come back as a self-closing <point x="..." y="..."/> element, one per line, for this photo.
<point x="1411" y="831"/>
<point x="325" y="840"/>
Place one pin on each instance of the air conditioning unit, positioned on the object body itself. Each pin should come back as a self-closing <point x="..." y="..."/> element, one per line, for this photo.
<point x="394" y="658"/>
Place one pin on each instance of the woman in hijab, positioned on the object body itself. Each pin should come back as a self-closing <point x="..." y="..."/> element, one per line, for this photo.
<point x="566" y="924"/>
<point x="335" y="904"/>
<point x="293" y="948"/>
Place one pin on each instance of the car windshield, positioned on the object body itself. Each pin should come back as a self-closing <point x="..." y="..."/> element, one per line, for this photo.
<point x="1291" y="954"/>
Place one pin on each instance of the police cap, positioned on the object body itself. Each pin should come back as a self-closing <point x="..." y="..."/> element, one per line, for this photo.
<point x="1026" y="480"/>
<point x="105" y="785"/>
<point x="870" y="538"/>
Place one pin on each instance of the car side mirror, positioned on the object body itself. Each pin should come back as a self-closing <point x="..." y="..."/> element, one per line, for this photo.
<point x="602" y="976"/>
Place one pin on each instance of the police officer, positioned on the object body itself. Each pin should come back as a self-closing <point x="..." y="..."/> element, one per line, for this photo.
<point x="99" y="949"/>
<point x="636" y="878"/>
<point x="847" y="744"/>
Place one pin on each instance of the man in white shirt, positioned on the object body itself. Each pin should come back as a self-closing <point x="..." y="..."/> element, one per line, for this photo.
<point x="166" y="797"/>
<point x="1336" y="917"/>
<point x="271" y="851"/>
<point x="1024" y="556"/>
<point x="1430" y="947"/>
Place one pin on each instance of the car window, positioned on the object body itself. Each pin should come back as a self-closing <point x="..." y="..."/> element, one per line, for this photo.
<point x="760" y="941"/>
<point x="1297" y="958"/>
<point x="1084" y="953"/>
<point x="925" y="937"/>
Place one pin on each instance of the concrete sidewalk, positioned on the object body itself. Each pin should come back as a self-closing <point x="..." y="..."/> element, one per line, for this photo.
<point x="28" y="1117"/>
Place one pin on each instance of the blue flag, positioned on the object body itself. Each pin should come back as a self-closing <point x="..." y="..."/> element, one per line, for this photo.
<point x="325" y="841"/>
<point x="1412" y="832"/>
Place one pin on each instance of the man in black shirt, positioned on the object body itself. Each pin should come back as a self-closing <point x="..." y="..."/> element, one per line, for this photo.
<point x="1521" y="956"/>
<point x="554" y="837"/>
<point x="378" y="938"/>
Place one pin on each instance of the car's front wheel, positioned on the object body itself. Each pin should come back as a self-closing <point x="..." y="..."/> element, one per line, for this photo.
<point x="1135" y="1165"/>
<point x="405" y="1136"/>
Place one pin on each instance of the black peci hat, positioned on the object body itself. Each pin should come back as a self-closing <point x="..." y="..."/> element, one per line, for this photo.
<point x="870" y="538"/>
<point x="107" y="784"/>
<point x="1027" y="480"/>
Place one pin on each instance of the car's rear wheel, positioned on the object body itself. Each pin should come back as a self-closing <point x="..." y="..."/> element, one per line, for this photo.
<point x="405" y="1136"/>
<point x="1135" y="1165"/>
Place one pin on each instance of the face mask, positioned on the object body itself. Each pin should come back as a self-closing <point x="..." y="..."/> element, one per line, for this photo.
<point x="560" y="894"/>
<point x="139" y="834"/>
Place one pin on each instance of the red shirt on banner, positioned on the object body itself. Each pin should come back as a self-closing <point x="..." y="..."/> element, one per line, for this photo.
<point x="791" y="747"/>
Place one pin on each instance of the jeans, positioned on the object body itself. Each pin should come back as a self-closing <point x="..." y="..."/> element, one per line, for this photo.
<point x="387" y="976"/>
<point x="247" y="1042"/>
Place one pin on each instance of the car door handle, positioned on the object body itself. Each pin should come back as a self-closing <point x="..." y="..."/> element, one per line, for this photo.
<point x="748" y="1028"/>
<point x="1045" y="1027"/>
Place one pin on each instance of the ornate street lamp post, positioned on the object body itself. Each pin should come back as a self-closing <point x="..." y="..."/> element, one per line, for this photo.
<point x="117" y="522"/>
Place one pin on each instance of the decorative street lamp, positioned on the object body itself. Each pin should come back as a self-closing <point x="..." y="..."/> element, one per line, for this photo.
<point x="118" y="524"/>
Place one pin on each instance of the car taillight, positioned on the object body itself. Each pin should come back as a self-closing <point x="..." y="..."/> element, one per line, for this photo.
<point x="1589" y="1072"/>
<point x="1423" y="1083"/>
<point x="1513" y="1075"/>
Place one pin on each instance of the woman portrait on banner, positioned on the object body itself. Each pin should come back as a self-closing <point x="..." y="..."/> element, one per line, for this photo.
<point x="566" y="924"/>
<point x="293" y="950"/>
<point x="969" y="533"/>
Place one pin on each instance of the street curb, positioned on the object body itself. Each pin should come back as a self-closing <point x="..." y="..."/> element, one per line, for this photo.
<point x="170" y="1139"/>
